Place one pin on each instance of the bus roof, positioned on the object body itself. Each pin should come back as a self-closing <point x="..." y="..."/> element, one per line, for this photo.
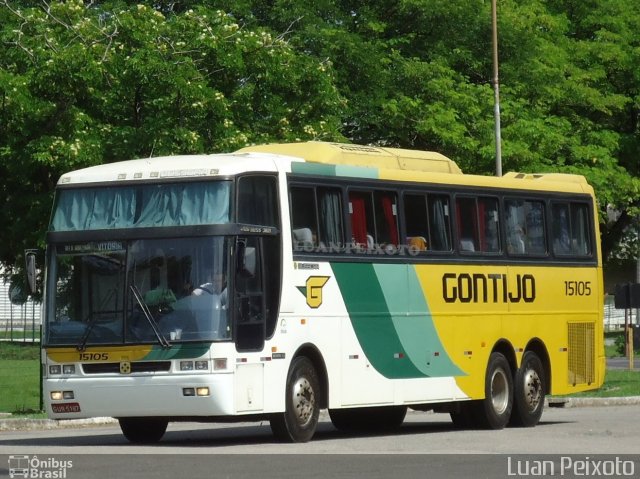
<point x="359" y="155"/>
<point x="333" y="159"/>
<point x="397" y="164"/>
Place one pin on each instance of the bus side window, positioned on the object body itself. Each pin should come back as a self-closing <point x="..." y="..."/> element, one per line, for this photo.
<point x="416" y="221"/>
<point x="303" y="217"/>
<point x="330" y="228"/>
<point x="386" y="218"/>
<point x="361" y="212"/>
<point x="570" y="223"/>
<point x="467" y="221"/>
<point x="258" y="200"/>
<point x="525" y="231"/>
<point x="439" y="238"/>
<point x="478" y="224"/>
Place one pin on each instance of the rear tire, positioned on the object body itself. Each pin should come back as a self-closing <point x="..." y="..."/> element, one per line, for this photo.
<point x="302" y="404"/>
<point x="494" y="411"/>
<point x="529" y="391"/>
<point x="143" y="430"/>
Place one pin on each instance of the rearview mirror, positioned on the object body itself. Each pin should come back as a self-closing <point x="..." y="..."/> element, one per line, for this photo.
<point x="30" y="259"/>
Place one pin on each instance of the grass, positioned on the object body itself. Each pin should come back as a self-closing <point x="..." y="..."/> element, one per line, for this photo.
<point x="19" y="378"/>
<point x="617" y="383"/>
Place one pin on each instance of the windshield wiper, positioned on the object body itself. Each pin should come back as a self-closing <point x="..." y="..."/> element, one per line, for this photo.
<point x="147" y="314"/>
<point x="82" y="345"/>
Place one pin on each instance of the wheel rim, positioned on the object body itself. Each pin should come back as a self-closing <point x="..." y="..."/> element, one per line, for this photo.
<point x="304" y="401"/>
<point x="499" y="391"/>
<point x="533" y="389"/>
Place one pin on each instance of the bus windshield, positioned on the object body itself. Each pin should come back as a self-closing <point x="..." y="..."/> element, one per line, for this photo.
<point x="140" y="291"/>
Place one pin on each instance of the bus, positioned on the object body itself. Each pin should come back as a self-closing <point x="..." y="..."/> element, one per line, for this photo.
<point x="284" y="279"/>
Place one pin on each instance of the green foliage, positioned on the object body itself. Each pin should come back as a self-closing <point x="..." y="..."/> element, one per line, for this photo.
<point x="82" y="85"/>
<point x="102" y="81"/>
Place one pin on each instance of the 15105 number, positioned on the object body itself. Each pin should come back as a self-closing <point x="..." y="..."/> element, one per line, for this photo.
<point x="93" y="356"/>
<point x="577" y="288"/>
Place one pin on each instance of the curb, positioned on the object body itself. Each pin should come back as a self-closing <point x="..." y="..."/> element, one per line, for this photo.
<point x="17" y="424"/>
<point x="7" y="423"/>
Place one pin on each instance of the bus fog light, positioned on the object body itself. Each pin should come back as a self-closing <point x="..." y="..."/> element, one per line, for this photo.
<point x="202" y="365"/>
<point x="186" y="365"/>
<point x="55" y="369"/>
<point x="188" y="392"/>
<point x="202" y="391"/>
<point x="69" y="369"/>
<point x="67" y="395"/>
<point x="219" y="363"/>
<point x="56" y="395"/>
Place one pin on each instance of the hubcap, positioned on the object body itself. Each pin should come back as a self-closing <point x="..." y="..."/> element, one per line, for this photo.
<point x="533" y="389"/>
<point x="304" y="401"/>
<point x="499" y="391"/>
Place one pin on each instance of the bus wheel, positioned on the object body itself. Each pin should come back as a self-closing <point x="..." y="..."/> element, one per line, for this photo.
<point x="143" y="430"/>
<point x="529" y="391"/>
<point x="494" y="410"/>
<point x="299" y="421"/>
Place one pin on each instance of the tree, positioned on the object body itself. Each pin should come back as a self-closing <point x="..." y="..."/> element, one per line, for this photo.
<point x="83" y="85"/>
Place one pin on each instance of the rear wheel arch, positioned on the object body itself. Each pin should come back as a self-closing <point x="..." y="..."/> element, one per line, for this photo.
<point x="537" y="346"/>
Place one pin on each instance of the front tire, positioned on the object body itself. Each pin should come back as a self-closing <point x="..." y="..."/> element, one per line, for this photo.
<point x="299" y="421"/>
<point x="529" y="391"/>
<point x="143" y="430"/>
<point x="494" y="411"/>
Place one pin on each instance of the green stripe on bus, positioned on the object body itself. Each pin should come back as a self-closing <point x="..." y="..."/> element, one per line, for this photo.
<point x="178" y="351"/>
<point x="372" y="322"/>
<point x="334" y="170"/>
<point x="412" y="320"/>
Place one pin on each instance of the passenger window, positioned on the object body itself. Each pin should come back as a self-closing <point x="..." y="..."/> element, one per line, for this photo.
<point x="570" y="229"/>
<point x="525" y="227"/>
<point x="303" y="218"/>
<point x="374" y="220"/>
<point x="258" y="201"/>
<point x="478" y="227"/>
<point x="427" y="222"/>
<point x="316" y="219"/>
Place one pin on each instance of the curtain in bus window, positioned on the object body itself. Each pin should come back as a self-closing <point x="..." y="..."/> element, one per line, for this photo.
<point x="182" y="204"/>
<point x="92" y="209"/>
<point x="488" y="213"/>
<point x="579" y="230"/>
<point x="330" y="218"/>
<point x="467" y="220"/>
<point x="515" y="227"/>
<point x="390" y="219"/>
<point x="439" y="224"/>
<point x="561" y="228"/>
<point x="141" y="206"/>
<point x="358" y="219"/>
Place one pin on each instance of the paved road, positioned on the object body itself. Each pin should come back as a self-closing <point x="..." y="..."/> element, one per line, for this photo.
<point x="426" y="446"/>
<point x="622" y="363"/>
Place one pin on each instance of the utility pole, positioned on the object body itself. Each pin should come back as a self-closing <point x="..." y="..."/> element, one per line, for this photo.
<point x="496" y="87"/>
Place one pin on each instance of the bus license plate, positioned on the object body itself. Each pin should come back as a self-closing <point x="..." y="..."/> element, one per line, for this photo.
<point x="66" y="407"/>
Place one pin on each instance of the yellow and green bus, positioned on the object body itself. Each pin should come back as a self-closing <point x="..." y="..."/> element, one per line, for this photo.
<point x="283" y="279"/>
